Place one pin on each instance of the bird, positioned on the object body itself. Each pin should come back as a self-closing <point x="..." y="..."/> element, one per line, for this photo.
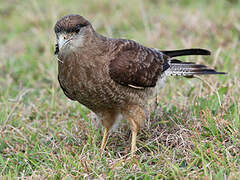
<point x="115" y="77"/>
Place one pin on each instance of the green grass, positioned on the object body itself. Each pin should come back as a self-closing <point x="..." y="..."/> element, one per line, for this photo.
<point x="193" y="134"/>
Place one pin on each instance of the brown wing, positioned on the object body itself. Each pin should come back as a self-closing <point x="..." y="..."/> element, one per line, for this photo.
<point x="137" y="66"/>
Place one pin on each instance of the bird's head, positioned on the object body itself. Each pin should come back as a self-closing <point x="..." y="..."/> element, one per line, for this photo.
<point x="71" y="32"/>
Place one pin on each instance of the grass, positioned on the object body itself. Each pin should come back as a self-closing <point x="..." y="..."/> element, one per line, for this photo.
<point x="193" y="134"/>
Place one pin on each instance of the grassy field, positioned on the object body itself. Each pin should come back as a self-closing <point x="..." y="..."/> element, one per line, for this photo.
<point x="195" y="132"/>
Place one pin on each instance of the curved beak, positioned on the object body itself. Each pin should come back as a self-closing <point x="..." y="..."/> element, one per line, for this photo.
<point x="56" y="49"/>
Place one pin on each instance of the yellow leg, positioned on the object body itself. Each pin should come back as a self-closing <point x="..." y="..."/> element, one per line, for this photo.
<point x="104" y="140"/>
<point x="133" y="147"/>
<point x="135" y="116"/>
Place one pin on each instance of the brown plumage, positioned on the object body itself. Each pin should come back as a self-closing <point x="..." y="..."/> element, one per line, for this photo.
<point x="114" y="77"/>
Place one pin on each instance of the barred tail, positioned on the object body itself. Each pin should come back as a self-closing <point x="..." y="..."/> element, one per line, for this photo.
<point x="188" y="69"/>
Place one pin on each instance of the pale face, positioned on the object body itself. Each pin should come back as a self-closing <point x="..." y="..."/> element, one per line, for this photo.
<point x="71" y="32"/>
<point x="69" y="41"/>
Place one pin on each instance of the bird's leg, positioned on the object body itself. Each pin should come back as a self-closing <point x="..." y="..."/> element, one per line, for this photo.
<point x="107" y="118"/>
<point x="104" y="140"/>
<point x="133" y="147"/>
<point x="135" y="116"/>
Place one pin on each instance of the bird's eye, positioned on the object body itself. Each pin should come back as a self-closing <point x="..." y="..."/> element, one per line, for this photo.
<point x="77" y="30"/>
<point x="78" y="27"/>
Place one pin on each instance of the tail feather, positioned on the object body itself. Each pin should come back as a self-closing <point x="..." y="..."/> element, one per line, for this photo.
<point x="188" y="69"/>
<point x="186" y="52"/>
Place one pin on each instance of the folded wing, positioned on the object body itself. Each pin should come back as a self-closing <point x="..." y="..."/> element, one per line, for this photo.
<point x="137" y="66"/>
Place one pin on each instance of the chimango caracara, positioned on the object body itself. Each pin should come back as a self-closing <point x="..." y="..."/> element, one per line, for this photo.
<point x="115" y="77"/>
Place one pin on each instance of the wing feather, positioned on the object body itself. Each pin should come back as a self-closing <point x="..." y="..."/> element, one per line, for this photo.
<point x="137" y="66"/>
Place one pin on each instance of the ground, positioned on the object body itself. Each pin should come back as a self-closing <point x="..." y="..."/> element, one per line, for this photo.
<point x="194" y="133"/>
